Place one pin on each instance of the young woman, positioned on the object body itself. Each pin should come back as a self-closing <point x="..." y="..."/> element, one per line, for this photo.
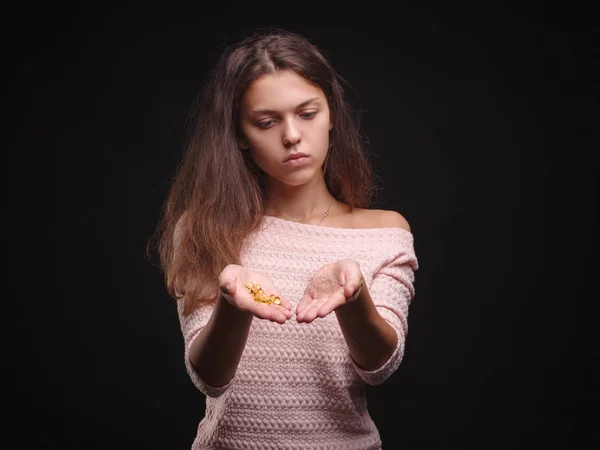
<point x="292" y="294"/>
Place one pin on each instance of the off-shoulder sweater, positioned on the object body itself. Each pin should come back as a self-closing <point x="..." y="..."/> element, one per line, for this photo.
<point x="296" y="385"/>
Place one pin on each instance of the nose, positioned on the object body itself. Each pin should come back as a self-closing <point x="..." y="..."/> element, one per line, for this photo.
<point x="291" y="134"/>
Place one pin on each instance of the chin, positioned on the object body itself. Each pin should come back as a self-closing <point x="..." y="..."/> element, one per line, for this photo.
<point x="297" y="179"/>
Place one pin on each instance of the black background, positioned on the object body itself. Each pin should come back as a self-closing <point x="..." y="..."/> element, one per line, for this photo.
<point x="482" y="119"/>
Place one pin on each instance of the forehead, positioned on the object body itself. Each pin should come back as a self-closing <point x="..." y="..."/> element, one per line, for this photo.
<point x="280" y="90"/>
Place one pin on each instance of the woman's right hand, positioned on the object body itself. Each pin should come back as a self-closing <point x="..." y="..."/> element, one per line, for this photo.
<point x="232" y="284"/>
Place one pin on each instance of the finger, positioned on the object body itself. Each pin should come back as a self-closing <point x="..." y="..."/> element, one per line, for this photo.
<point x="272" y="313"/>
<point x="302" y="307"/>
<point x="352" y="287"/>
<point x="228" y="286"/>
<point x="268" y="311"/>
<point x="327" y="307"/>
<point x="285" y="304"/>
<point x="310" y="313"/>
<point x="287" y="313"/>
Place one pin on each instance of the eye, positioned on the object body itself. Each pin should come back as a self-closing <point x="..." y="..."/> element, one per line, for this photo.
<point x="308" y="115"/>
<point x="265" y="124"/>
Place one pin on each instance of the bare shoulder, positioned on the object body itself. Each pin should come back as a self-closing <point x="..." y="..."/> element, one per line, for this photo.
<point x="379" y="218"/>
<point x="389" y="219"/>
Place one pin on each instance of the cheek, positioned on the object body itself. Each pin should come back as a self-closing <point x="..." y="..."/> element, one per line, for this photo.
<point x="264" y="145"/>
<point x="255" y="137"/>
<point x="324" y="127"/>
<point x="264" y="149"/>
<point x="323" y="136"/>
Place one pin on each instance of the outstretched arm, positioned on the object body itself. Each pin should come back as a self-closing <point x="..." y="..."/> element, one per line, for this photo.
<point x="216" y="351"/>
<point x="370" y="338"/>
<point x="340" y="287"/>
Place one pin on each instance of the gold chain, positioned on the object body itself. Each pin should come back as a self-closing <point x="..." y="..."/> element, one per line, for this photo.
<point x="326" y="212"/>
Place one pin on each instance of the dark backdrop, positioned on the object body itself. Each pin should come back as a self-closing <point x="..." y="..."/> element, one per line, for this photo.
<point x="481" y="120"/>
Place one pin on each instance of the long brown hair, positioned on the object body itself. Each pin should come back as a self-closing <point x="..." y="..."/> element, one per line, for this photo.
<point x="217" y="195"/>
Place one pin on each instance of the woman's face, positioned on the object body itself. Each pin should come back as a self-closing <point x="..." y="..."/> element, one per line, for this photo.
<point x="283" y="114"/>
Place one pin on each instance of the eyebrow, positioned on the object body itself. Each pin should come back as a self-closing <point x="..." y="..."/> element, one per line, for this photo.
<point x="271" y="111"/>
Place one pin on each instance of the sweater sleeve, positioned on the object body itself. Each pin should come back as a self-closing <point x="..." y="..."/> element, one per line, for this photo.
<point x="392" y="289"/>
<point x="190" y="327"/>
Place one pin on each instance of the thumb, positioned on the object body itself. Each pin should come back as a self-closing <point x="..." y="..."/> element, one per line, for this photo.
<point x="352" y="286"/>
<point x="228" y="287"/>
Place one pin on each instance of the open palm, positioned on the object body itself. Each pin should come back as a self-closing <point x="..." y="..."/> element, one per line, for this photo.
<point x="233" y="285"/>
<point x="332" y="286"/>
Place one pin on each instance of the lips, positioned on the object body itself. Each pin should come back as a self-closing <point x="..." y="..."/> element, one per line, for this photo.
<point x="295" y="156"/>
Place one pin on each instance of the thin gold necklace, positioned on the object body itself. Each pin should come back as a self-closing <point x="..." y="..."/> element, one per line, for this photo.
<point x="326" y="212"/>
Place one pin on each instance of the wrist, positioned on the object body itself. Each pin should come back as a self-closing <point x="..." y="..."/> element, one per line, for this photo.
<point x="232" y="312"/>
<point x="361" y="308"/>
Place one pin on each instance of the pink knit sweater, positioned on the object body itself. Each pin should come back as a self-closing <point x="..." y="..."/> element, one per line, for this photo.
<point x="297" y="386"/>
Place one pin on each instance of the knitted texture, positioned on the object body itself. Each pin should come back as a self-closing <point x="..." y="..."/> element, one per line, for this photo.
<point x="297" y="386"/>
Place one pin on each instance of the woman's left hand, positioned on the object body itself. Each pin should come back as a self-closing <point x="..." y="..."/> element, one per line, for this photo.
<point x="332" y="286"/>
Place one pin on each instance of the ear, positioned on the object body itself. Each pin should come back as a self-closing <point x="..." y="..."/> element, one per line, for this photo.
<point x="330" y="125"/>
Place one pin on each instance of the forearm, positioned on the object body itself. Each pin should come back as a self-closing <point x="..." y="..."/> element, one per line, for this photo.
<point x="370" y="338"/>
<point x="216" y="351"/>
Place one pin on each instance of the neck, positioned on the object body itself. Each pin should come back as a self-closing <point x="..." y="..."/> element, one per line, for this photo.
<point x="307" y="203"/>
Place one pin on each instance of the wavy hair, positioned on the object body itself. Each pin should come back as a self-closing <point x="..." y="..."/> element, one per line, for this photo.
<point x="216" y="197"/>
